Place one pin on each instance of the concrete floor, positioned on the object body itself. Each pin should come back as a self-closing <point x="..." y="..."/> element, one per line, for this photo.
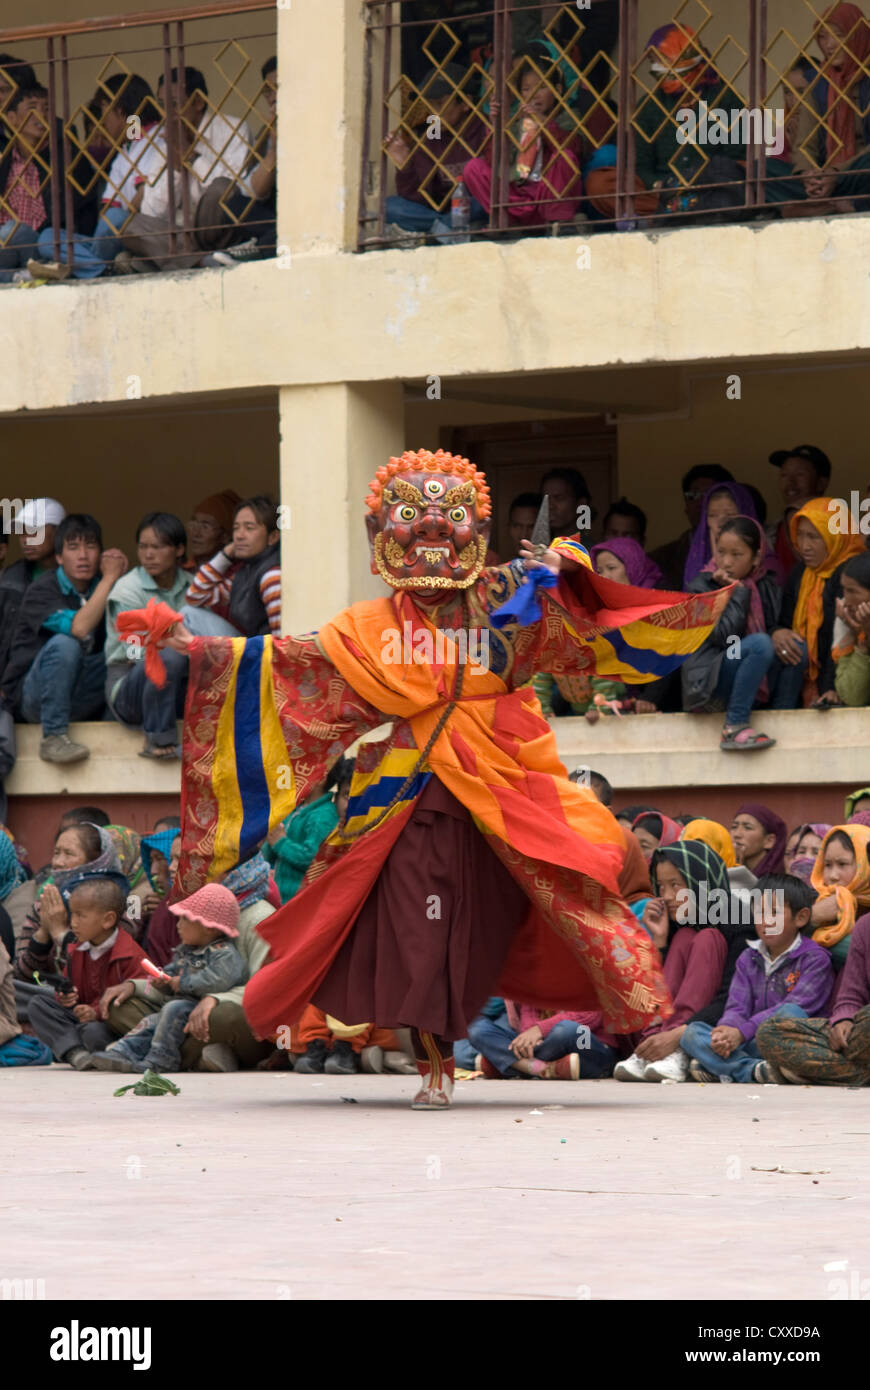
<point x="269" y="1186"/>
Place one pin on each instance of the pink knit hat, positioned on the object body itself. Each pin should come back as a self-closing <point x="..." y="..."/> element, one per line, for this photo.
<point x="212" y="906"/>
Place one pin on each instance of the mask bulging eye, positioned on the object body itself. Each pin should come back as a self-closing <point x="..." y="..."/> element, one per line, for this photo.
<point x="458" y="515"/>
<point x="408" y="513"/>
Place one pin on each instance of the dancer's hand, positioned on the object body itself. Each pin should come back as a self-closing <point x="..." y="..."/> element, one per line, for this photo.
<point x="535" y="559"/>
<point x="178" y="638"/>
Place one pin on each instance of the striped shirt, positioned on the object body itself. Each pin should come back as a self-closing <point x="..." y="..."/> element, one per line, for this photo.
<point x="211" y="586"/>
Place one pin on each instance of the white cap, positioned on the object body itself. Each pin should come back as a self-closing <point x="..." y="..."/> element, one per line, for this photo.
<point x="38" y="512"/>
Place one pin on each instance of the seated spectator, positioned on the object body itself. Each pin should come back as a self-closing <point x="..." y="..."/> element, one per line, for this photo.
<point x="804" y="473"/>
<point x="629" y="814"/>
<point x="42" y="946"/>
<point x="693" y="954"/>
<point x="128" y="849"/>
<point x="781" y="973"/>
<point x="208" y="146"/>
<point x="120" y="97"/>
<point x="17" y="893"/>
<point x="210" y="527"/>
<point x="205" y="961"/>
<point x="57" y="669"/>
<point x="711" y="833"/>
<point x="725" y="672"/>
<point x="623" y="559"/>
<point x="851" y="629"/>
<point x="623" y="518"/>
<point x="219" y="1037"/>
<point x="828" y="128"/>
<point x="722" y="503"/>
<point x="291" y="847"/>
<point x="759" y="837"/>
<point x="14" y="74"/>
<point x="806" y="841"/>
<point x="833" y="1051"/>
<point x="523" y="1041"/>
<point x="235" y="226"/>
<point x="633" y="878"/>
<point x="17" y="1049"/>
<point x="804" y="670"/>
<point x="841" y="878"/>
<point x="568" y="493"/>
<point x="522" y="515"/>
<point x="428" y="169"/>
<point x="697" y="482"/>
<point x="24" y="180"/>
<point x="684" y="76"/>
<point x="161" y="852"/>
<point x="857" y="803"/>
<point x="36" y="524"/>
<point x="651" y="829"/>
<point x="252" y="594"/>
<point x="545" y="181"/>
<point x="101" y="954"/>
<point x="131" y="696"/>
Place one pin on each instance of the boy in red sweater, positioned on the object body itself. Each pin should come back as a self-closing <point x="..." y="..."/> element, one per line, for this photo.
<point x="102" y="954"/>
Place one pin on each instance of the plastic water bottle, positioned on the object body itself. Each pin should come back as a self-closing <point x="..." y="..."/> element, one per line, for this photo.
<point x="460" y="213"/>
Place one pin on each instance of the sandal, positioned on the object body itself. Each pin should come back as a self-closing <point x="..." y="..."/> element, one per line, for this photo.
<point x="161" y="754"/>
<point x="744" y="740"/>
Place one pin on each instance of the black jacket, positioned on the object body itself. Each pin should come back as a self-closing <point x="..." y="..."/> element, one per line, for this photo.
<point x="84" y="178"/>
<point x="43" y="597"/>
<point x="827" y="665"/>
<point x="700" y="671"/>
<point x="247" y="611"/>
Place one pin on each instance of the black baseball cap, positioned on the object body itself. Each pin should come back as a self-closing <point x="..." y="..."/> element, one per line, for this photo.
<point x="820" y="461"/>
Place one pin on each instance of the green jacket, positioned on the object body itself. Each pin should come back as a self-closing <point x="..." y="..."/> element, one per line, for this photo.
<point x="304" y="832"/>
<point x="658" y="153"/>
<point x="852" y="680"/>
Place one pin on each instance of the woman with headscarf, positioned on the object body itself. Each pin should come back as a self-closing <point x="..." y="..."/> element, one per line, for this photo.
<point x="722" y="672"/>
<point x="723" y="502"/>
<point x="692" y="923"/>
<point x="802" y="849"/>
<point x="841" y="878"/>
<point x="804" y="670"/>
<point x="759" y="837"/>
<point x="855" y="802"/>
<point x="830" y="142"/>
<point x="624" y="560"/>
<point x="44" y="939"/>
<point x="651" y="829"/>
<point x="714" y="836"/>
<point x="11" y="876"/>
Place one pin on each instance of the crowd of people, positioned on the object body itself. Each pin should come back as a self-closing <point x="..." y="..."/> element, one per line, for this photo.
<point x="560" y="115"/>
<point x="763" y="932"/>
<point x="154" y="182"/>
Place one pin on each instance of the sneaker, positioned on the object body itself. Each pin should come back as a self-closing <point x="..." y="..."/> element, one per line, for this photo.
<point x="768" y="1074"/>
<point x="242" y="251"/>
<point x="399" y="1062"/>
<point x="116" y="1061"/>
<point x="80" y="1058"/>
<point x="483" y="1064"/>
<point x="23" y="277"/>
<point x="632" y="1069"/>
<point x="48" y="270"/>
<point x="342" y="1060"/>
<point x="699" y="1073"/>
<point x="59" y="748"/>
<point x="123" y="264"/>
<point x="218" y="1057"/>
<point x="400" y="236"/>
<point x="372" y="1060"/>
<point x="563" y="1069"/>
<point x="674" y="1067"/>
<point x="313" y="1058"/>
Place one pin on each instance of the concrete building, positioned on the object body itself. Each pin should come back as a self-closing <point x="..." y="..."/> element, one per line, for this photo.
<point x="632" y="354"/>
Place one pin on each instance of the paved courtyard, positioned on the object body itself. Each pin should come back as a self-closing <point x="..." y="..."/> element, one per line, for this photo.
<point x="272" y="1186"/>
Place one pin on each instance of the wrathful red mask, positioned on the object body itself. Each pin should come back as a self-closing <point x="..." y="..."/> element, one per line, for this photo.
<point x="428" y="533"/>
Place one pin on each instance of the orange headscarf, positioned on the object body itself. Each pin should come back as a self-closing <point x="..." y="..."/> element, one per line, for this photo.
<point x="843" y="81"/>
<point x="808" y="613"/>
<point x="715" y="836"/>
<point x="857" y="892"/>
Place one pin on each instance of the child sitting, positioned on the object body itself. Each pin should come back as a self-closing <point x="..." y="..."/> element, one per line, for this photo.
<point x="292" y="845"/>
<point x="204" y="962"/>
<point x="832" y="1052"/>
<point x="102" y="954"/>
<point x="783" y="972"/>
<point x="523" y="1041"/>
<point x="841" y="878"/>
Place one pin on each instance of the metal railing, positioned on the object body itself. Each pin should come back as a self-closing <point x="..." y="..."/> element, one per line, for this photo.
<point x="552" y="114"/>
<point x="109" y="132"/>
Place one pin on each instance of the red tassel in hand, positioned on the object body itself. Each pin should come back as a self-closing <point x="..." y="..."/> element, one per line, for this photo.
<point x="151" y="625"/>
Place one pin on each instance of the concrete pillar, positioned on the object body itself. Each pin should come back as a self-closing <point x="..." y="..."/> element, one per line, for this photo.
<point x="333" y="440"/>
<point x="321" y="46"/>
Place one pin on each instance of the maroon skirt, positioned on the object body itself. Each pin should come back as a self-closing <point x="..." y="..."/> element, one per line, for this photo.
<point x="428" y="946"/>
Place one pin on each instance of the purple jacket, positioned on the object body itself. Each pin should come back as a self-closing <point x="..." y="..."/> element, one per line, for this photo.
<point x="853" y="992"/>
<point x="804" y="977"/>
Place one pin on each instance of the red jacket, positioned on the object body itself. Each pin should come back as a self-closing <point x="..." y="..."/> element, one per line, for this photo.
<point x="92" y="977"/>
